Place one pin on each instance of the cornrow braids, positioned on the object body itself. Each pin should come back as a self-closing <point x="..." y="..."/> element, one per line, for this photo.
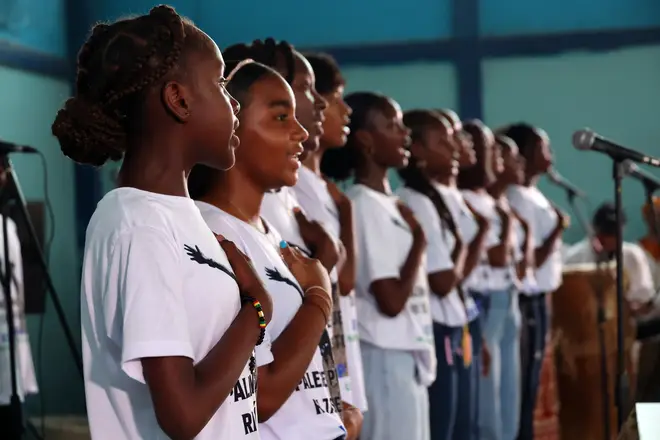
<point x="327" y="73"/>
<point x="271" y="53"/>
<point x="116" y="65"/>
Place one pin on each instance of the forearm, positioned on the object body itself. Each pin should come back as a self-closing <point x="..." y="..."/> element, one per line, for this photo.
<point x="347" y="273"/>
<point x="292" y="351"/>
<point x="185" y="397"/>
<point x="542" y="253"/>
<point x="474" y="253"/>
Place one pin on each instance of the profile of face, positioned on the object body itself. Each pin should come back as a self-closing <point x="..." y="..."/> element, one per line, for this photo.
<point x="207" y="110"/>
<point x="513" y="170"/>
<point x="466" y="154"/>
<point x="310" y="105"/>
<point x="437" y="150"/>
<point x="337" y="117"/>
<point x="387" y="137"/>
<point x="271" y="136"/>
<point x="542" y="159"/>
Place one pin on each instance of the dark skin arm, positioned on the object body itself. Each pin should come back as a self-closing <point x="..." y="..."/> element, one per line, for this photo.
<point x="391" y="294"/>
<point x="443" y="282"/>
<point x="476" y="247"/>
<point x="186" y="396"/>
<point x="321" y="246"/>
<point x="294" y="349"/>
<point x="499" y="256"/>
<point x="542" y="252"/>
<point x="347" y="273"/>
<point x="527" y="249"/>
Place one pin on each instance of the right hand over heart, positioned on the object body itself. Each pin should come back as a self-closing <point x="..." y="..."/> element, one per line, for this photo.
<point x="317" y="240"/>
<point x="309" y="272"/>
<point x="247" y="278"/>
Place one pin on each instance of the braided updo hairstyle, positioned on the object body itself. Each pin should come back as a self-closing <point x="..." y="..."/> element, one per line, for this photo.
<point x="116" y="65"/>
<point x="271" y="53"/>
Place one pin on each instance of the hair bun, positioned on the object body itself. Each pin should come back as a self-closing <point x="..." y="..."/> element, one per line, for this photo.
<point x="87" y="134"/>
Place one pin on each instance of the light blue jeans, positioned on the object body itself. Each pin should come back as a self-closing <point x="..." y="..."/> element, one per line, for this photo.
<point x="499" y="399"/>
<point x="398" y="403"/>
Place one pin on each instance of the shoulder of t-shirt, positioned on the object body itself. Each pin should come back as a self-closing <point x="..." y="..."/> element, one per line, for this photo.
<point x="575" y="252"/>
<point x="129" y="217"/>
<point x="417" y="202"/>
<point x="224" y="224"/>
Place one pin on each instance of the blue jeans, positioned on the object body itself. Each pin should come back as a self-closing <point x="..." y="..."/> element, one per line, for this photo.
<point x="398" y="402"/>
<point x="467" y="417"/>
<point x="499" y="392"/>
<point x="443" y="394"/>
<point x="533" y="333"/>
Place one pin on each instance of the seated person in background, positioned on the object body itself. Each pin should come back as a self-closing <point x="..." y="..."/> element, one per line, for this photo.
<point x="650" y="243"/>
<point x="641" y="291"/>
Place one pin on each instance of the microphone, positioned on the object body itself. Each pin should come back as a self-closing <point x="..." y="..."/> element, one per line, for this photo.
<point x="8" y="147"/>
<point x="649" y="181"/>
<point x="586" y="139"/>
<point x="559" y="180"/>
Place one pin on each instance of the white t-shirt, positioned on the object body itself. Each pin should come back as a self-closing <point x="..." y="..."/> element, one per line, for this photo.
<point x="535" y="208"/>
<point x="25" y="377"/>
<point x="469" y="228"/>
<point x="640" y="289"/>
<point x="384" y="241"/>
<point x="313" y="196"/>
<point x="448" y="310"/>
<point x="155" y="282"/>
<point x="277" y="208"/>
<point x="309" y="408"/>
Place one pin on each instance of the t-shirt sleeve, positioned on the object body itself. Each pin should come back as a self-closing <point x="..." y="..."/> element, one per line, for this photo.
<point x="641" y="288"/>
<point x="438" y="252"/>
<point x="374" y="224"/>
<point x="145" y="295"/>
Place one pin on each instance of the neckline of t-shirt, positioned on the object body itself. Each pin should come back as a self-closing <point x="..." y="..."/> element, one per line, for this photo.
<point x="207" y="206"/>
<point x="179" y="201"/>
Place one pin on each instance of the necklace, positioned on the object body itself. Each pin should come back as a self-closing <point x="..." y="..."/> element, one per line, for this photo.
<point x="260" y="227"/>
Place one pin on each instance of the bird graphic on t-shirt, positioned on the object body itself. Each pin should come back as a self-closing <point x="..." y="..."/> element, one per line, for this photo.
<point x="197" y="256"/>
<point x="401" y="225"/>
<point x="276" y="275"/>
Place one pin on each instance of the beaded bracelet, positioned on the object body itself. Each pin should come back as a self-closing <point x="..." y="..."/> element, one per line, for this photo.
<point x="260" y="313"/>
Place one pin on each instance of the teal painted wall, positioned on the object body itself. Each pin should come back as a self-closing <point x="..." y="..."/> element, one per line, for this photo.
<point x="30" y="104"/>
<point x="616" y="94"/>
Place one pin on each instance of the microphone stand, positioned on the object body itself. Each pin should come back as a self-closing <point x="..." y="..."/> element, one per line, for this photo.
<point x="600" y="304"/>
<point x="621" y="374"/>
<point x="12" y="195"/>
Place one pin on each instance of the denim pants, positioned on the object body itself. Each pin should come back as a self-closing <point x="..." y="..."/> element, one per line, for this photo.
<point x="467" y="417"/>
<point x="443" y="394"/>
<point x="398" y="402"/>
<point x="533" y="333"/>
<point x="499" y="391"/>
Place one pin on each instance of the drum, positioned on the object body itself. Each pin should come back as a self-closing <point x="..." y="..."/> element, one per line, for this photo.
<point x="578" y="351"/>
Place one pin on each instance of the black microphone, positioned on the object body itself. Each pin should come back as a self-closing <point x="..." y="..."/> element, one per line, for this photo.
<point x="649" y="181"/>
<point x="559" y="180"/>
<point x="586" y="139"/>
<point x="8" y="147"/>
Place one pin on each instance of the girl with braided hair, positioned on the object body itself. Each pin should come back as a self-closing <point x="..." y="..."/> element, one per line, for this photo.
<point x="171" y="314"/>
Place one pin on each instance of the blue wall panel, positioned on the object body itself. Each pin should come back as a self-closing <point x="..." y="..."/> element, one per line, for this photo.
<point x="515" y="17"/>
<point x="37" y="25"/>
<point x="342" y="22"/>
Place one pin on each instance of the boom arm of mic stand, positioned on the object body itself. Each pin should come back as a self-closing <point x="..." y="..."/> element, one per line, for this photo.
<point x="14" y="189"/>
<point x="588" y="230"/>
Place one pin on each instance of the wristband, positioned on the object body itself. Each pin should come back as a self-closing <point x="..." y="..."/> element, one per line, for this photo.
<point x="260" y="313"/>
